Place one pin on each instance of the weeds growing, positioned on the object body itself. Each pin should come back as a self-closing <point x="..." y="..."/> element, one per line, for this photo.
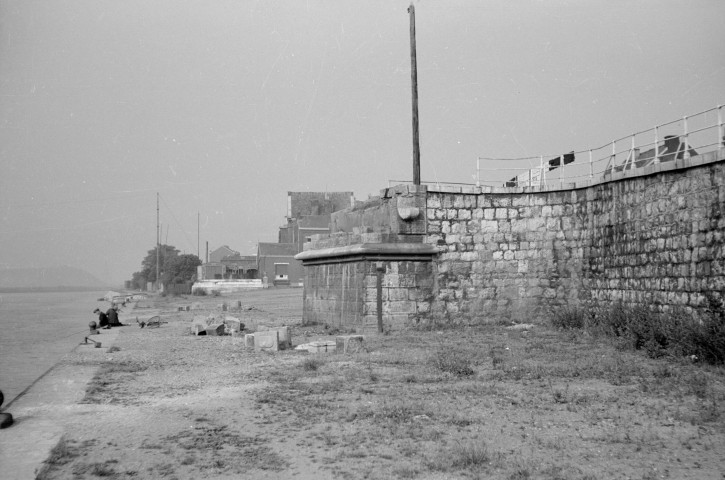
<point x="675" y="333"/>
<point x="453" y="361"/>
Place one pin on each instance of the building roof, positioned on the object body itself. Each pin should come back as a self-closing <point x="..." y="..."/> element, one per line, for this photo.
<point x="277" y="249"/>
<point x="224" y="248"/>
<point x="239" y="258"/>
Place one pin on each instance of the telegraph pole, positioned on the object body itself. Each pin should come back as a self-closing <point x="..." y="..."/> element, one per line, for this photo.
<point x="414" y="81"/>
<point x="158" y="240"/>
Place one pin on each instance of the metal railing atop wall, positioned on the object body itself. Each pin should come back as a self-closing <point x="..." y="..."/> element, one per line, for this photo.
<point x="691" y="135"/>
<point x="679" y="139"/>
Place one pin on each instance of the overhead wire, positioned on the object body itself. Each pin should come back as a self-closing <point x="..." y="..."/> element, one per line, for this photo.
<point x="191" y="244"/>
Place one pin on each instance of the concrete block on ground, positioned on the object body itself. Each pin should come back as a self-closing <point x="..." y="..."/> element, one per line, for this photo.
<point x="249" y="340"/>
<point x="268" y="340"/>
<point x="285" y="336"/>
<point x="321" y="346"/>
<point x="233" y="323"/>
<point x="198" y="329"/>
<point x="215" y="330"/>
<point x="349" y="343"/>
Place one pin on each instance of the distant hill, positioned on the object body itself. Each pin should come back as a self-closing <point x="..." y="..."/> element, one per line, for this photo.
<point x="62" y="278"/>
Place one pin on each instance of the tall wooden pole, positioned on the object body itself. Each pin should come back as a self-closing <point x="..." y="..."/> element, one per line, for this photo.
<point x="414" y="80"/>
<point x="158" y="240"/>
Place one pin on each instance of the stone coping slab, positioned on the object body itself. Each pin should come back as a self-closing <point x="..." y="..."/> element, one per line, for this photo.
<point x="369" y="251"/>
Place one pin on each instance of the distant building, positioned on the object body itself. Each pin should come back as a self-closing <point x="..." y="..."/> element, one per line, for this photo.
<point x="225" y="263"/>
<point x="276" y="263"/>
<point x="217" y="255"/>
<point x="308" y="213"/>
<point x="300" y="230"/>
<point x="240" y="266"/>
<point x="301" y="204"/>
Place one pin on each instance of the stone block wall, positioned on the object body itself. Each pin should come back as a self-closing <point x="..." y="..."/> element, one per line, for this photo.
<point x="335" y="294"/>
<point x="367" y="289"/>
<point x="372" y="272"/>
<point x="650" y="239"/>
<point x="653" y="236"/>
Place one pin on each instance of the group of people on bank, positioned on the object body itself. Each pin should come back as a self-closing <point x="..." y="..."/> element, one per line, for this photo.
<point x="109" y="318"/>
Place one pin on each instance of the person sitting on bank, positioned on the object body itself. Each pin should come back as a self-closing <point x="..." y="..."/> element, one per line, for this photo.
<point x="102" y="318"/>
<point x="112" y="314"/>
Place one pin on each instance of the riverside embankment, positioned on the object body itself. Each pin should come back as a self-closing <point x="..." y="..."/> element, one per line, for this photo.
<point x="493" y="401"/>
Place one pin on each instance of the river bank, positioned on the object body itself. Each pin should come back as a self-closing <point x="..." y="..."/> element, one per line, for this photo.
<point x="39" y="328"/>
<point x="490" y="402"/>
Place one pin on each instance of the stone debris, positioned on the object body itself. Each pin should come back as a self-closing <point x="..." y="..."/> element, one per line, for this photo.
<point x="216" y="330"/>
<point x="349" y="343"/>
<point x="521" y="326"/>
<point x="285" y="336"/>
<point x="268" y="341"/>
<point x="233" y="324"/>
<point x="320" y="346"/>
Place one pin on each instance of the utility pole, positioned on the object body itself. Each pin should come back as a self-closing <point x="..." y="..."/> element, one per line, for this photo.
<point x="158" y="240"/>
<point x="414" y="81"/>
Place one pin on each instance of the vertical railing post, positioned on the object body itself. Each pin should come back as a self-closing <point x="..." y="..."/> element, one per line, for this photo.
<point x="631" y="153"/>
<point x="591" y="165"/>
<point x="529" y="175"/>
<point x="542" y="179"/>
<point x="561" y="173"/>
<point x="478" y="172"/>
<point x="657" y="141"/>
<point x="614" y="156"/>
<point x="720" y="132"/>
<point x="686" y="143"/>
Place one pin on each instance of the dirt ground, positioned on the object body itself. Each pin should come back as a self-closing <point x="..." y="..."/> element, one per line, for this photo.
<point x="483" y="402"/>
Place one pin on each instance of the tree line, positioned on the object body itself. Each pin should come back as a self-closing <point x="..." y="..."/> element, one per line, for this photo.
<point x="173" y="268"/>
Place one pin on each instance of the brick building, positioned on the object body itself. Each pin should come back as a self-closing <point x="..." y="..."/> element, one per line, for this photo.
<point x="308" y="214"/>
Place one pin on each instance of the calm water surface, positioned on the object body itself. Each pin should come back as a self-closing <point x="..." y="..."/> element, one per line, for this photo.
<point x="37" y="330"/>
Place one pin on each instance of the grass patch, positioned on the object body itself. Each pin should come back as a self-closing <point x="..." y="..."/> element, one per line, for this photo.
<point x="311" y="364"/>
<point x="108" y="380"/>
<point x="215" y="446"/>
<point x="673" y="334"/>
<point x="455" y="362"/>
<point x="471" y="455"/>
<point x="63" y="453"/>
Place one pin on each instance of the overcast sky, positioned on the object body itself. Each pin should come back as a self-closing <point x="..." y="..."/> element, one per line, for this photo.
<point x="222" y="107"/>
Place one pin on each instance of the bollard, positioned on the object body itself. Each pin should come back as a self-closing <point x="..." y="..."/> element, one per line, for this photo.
<point x="93" y="328"/>
<point x="6" y="419"/>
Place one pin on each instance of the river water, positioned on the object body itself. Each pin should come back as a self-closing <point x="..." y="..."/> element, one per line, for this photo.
<point x="37" y="330"/>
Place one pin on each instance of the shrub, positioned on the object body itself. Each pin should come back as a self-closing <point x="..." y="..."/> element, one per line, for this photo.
<point x="311" y="364"/>
<point x="453" y="361"/>
<point x="567" y="318"/>
<point x="199" y="292"/>
<point x="676" y="333"/>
